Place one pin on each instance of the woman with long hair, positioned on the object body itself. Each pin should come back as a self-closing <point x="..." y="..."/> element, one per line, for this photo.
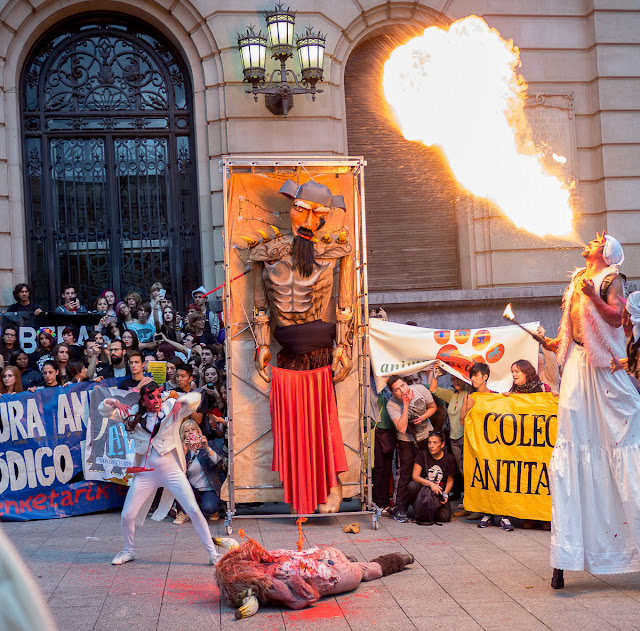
<point x="62" y="356"/>
<point x="112" y="331"/>
<point x="44" y="349"/>
<point x="50" y="374"/>
<point x="125" y="315"/>
<point x="10" y="380"/>
<point x="130" y="341"/>
<point x="169" y="326"/>
<point x="110" y="296"/>
<point x="154" y="424"/>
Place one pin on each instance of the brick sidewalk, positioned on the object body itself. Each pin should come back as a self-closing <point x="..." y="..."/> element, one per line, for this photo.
<point x="464" y="578"/>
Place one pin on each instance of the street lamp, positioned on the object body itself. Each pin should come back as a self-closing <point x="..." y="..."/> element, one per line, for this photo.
<point x="280" y="28"/>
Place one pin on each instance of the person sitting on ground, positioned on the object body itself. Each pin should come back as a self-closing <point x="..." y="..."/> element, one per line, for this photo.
<point x="137" y="379"/>
<point x="410" y="409"/>
<point x="23" y="300"/>
<point x="479" y="374"/>
<point x="50" y="374"/>
<point x="8" y="344"/>
<point x="434" y="472"/>
<point x="30" y="377"/>
<point x="10" y="380"/>
<point x="455" y="399"/>
<point x="203" y="464"/>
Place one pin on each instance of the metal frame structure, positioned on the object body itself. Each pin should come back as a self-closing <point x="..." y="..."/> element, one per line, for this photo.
<point x="361" y="312"/>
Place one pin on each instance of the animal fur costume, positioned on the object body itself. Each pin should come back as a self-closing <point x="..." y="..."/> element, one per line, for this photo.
<point x="295" y="579"/>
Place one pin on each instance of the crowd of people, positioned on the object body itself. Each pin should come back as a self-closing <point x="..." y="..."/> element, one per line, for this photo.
<point x="419" y="431"/>
<point x="130" y="335"/>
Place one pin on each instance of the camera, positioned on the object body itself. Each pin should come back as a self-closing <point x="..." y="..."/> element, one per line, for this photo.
<point x="210" y="385"/>
<point x="104" y="346"/>
<point x="157" y="337"/>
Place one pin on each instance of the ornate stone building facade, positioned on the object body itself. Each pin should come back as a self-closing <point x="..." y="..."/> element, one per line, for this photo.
<point x="110" y="173"/>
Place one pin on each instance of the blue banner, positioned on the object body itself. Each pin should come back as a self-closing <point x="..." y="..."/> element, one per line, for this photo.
<point x="42" y="438"/>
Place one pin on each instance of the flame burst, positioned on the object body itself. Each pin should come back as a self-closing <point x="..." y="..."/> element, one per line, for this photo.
<point x="459" y="90"/>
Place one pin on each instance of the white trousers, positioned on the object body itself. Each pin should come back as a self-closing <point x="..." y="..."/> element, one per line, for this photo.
<point x="168" y="474"/>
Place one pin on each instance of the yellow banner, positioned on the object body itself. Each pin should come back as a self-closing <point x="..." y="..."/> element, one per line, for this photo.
<point x="507" y="447"/>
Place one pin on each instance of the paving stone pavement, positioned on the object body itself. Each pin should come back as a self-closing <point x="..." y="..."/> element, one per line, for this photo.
<point x="464" y="578"/>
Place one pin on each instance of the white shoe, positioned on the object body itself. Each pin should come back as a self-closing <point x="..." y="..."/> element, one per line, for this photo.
<point x="123" y="557"/>
<point x="181" y="518"/>
<point x="214" y="557"/>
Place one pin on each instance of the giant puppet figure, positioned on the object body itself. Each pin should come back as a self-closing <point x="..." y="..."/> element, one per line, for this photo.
<point x="595" y="490"/>
<point x="293" y="283"/>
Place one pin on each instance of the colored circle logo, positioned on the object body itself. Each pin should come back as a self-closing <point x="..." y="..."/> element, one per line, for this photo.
<point x="495" y="353"/>
<point x="481" y="339"/>
<point x="442" y="337"/>
<point x="462" y="335"/>
<point x="451" y="356"/>
<point x="477" y="359"/>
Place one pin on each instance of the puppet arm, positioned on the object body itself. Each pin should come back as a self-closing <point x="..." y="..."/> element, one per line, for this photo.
<point x="341" y="361"/>
<point x="295" y="593"/>
<point x="261" y="322"/>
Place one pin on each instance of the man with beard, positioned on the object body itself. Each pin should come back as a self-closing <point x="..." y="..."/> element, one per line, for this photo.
<point x="596" y="457"/>
<point x="293" y="278"/>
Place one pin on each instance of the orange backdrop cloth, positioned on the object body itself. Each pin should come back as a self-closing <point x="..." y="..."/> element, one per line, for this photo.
<point x="308" y="452"/>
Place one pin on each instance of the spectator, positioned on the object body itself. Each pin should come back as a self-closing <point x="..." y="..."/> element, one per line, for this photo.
<point x="197" y="326"/>
<point x="50" y="374"/>
<point x="133" y="300"/>
<point x="409" y="408"/>
<point x="70" y="338"/>
<point x="30" y="377"/>
<point x="112" y="331"/>
<point x="71" y="303"/>
<point x="433" y="474"/>
<point x="172" y="363"/>
<point x="62" y="356"/>
<point x="44" y="349"/>
<point x="548" y="365"/>
<point x="8" y="343"/>
<point x="207" y="356"/>
<point x="156" y="302"/>
<point x="10" y="380"/>
<point x="169" y="325"/>
<point x="118" y="366"/>
<point x="137" y="378"/>
<point x="631" y="327"/>
<point x="203" y="464"/>
<point x="101" y="306"/>
<point x="164" y="351"/>
<point x="455" y="399"/>
<point x="184" y="379"/>
<point x="111" y="299"/>
<point x="223" y="397"/>
<point x="130" y="341"/>
<point x="213" y="423"/>
<point x="384" y="448"/>
<point x="211" y="318"/>
<point x="22" y="295"/>
<point x="526" y="380"/>
<point x="180" y="350"/>
<point x="125" y="315"/>
<point x="143" y="329"/>
<point x="77" y="371"/>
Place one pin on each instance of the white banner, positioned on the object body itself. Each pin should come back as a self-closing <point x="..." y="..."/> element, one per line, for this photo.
<point x="400" y="349"/>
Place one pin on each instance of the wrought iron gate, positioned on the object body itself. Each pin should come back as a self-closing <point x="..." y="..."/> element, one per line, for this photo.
<point x="110" y="183"/>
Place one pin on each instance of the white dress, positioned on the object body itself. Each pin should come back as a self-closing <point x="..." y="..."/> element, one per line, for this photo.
<point x="595" y="470"/>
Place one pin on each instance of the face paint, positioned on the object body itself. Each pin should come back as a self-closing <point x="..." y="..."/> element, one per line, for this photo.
<point x="152" y="401"/>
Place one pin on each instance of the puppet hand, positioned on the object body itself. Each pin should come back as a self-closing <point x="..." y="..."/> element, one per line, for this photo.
<point x="263" y="357"/>
<point x="341" y="363"/>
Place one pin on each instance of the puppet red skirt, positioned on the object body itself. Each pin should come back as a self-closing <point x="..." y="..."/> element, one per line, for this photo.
<point x="308" y="452"/>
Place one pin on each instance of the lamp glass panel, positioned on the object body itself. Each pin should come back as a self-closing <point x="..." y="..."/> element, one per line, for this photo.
<point x="303" y="54"/>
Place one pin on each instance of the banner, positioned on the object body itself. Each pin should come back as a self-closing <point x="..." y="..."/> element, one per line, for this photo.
<point x="28" y="325"/>
<point x="400" y="349"/>
<point x="507" y="447"/>
<point x="109" y="450"/>
<point x="42" y="437"/>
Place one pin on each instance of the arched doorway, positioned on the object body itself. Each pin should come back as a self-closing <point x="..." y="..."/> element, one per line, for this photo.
<point x="111" y="194"/>
<point x="412" y="236"/>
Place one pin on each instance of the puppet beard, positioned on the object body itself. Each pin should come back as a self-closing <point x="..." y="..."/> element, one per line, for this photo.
<point x="303" y="256"/>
